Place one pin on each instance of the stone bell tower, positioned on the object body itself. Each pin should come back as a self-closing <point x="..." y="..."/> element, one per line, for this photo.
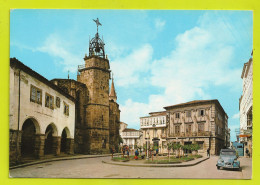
<point x="95" y="73"/>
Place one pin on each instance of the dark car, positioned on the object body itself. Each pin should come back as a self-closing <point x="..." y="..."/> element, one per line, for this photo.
<point x="228" y="159"/>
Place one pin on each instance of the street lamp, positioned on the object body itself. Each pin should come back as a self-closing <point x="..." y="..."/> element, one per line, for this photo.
<point x="147" y="152"/>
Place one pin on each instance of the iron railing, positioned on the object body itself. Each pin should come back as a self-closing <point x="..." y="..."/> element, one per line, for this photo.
<point x="190" y="134"/>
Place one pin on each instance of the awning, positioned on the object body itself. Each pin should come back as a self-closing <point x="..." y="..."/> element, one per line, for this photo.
<point x="245" y="135"/>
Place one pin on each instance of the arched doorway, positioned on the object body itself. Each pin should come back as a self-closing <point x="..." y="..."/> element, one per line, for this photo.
<point x="63" y="141"/>
<point x="28" y="138"/>
<point x="49" y="141"/>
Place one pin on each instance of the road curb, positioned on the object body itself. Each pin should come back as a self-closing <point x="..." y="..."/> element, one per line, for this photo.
<point x="156" y="165"/>
<point x="57" y="159"/>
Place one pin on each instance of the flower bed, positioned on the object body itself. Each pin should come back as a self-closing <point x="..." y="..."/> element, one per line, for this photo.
<point x="173" y="160"/>
<point x="120" y="159"/>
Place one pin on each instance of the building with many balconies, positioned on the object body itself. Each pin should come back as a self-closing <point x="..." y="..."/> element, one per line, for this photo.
<point x="131" y="137"/>
<point x="154" y="130"/>
<point x="246" y="106"/>
<point x="201" y="121"/>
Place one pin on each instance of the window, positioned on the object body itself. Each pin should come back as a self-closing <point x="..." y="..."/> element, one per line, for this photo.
<point x="219" y="117"/>
<point x="66" y="109"/>
<point x="201" y="127"/>
<point x="188" y="114"/>
<point x="36" y="95"/>
<point x="188" y="128"/>
<point x="202" y="112"/>
<point x="177" y="115"/>
<point x="49" y="101"/>
<point x="177" y="129"/>
<point x="58" y="102"/>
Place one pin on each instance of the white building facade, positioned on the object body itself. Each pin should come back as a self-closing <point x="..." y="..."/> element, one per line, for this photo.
<point x="131" y="137"/>
<point x="154" y="130"/>
<point x="246" y="105"/>
<point x="42" y="116"/>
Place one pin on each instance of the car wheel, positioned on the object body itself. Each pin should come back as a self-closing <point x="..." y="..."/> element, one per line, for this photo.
<point x="218" y="167"/>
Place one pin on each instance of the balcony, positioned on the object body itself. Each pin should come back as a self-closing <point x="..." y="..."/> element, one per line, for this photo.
<point x="203" y="133"/>
<point x="176" y="120"/>
<point x="188" y="120"/>
<point x="201" y="118"/>
<point x="191" y="134"/>
<point x="81" y="67"/>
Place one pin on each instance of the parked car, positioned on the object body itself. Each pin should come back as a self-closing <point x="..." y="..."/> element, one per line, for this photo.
<point x="228" y="159"/>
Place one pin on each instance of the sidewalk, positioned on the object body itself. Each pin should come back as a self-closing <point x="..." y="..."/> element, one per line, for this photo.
<point x="142" y="164"/>
<point x="74" y="157"/>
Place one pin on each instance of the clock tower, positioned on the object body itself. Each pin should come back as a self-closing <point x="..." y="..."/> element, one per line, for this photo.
<point x="95" y="74"/>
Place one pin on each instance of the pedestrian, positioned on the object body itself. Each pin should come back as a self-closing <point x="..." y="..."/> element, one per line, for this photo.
<point x="127" y="152"/>
<point x="157" y="151"/>
<point x="208" y="152"/>
<point x="247" y="153"/>
<point x="123" y="152"/>
<point x="136" y="154"/>
<point x="112" y="152"/>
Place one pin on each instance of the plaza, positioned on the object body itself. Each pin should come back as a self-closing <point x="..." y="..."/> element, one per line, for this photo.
<point x="95" y="168"/>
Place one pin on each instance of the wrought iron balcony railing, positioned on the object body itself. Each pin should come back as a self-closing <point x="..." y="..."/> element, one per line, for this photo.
<point x="190" y="134"/>
<point x="81" y="67"/>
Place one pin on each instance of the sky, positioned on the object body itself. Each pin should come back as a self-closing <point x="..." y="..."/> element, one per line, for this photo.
<point x="158" y="57"/>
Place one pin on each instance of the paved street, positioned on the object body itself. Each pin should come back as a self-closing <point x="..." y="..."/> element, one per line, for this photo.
<point x="94" y="168"/>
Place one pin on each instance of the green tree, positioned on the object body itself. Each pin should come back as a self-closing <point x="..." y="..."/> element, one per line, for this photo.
<point x="175" y="147"/>
<point x="183" y="149"/>
<point x="178" y="148"/>
<point x="169" y="147"/>
<point x="195" y="147"/>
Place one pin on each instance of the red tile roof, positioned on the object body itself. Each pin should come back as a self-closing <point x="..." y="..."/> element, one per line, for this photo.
<point x="129" y="130"/>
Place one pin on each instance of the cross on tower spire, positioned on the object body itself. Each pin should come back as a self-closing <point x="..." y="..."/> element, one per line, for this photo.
<point x="97" y="22"/>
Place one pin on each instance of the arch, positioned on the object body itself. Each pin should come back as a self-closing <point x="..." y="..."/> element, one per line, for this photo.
<point x="29" y="131"/>
<point x="66" y="129"/>
<point x="54" y="129"/>
<point x="50" y="131"/>
<point x="64" y="140"/>
<point x="35" y="122"/>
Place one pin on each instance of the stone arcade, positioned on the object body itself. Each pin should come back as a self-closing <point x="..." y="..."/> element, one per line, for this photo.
<point x="42" y="116"/>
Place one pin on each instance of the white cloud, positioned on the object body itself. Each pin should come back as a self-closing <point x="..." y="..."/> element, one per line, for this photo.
<point x="128" y="69"/>
<point x="59" y="49"/>
<point x="200" y="61"/>
<point x="114" y="50"/>
<point x="21" y="46"/>
<point x="159" y="24"/>
<point x="236" y="116"/>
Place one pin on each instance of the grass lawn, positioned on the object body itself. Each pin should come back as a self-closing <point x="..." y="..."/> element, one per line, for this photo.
<point x="123" y="159"/>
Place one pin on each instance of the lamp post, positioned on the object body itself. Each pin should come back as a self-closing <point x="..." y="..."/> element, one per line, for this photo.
<point x="147" y="150"/>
